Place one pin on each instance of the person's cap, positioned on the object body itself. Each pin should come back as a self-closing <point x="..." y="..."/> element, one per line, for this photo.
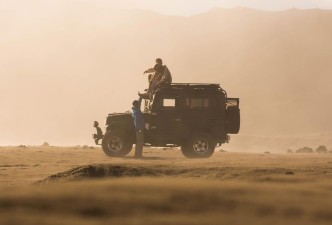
<point x="158" y="60"/>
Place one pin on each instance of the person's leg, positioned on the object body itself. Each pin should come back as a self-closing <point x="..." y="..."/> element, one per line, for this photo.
<point x="97" y="137"/>
<point x="139" y="145"/>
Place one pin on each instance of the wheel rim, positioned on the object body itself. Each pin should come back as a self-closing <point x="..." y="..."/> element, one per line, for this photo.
<point x="115" y="144"/>
<point x="200" y="145"/>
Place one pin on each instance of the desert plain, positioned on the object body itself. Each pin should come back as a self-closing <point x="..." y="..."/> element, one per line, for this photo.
<point x="75" y="185"/>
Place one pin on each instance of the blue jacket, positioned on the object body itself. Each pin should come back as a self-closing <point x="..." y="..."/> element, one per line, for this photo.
<point x="138" y="117"/>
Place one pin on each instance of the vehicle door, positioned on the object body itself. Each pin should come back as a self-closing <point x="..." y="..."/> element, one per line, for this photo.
<point x="201" y="112"/>
<point x="166" y="118"/>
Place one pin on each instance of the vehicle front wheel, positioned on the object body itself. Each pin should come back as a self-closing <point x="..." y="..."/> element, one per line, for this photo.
<point x="116" y="145"/>
<point x="199" y="146"/>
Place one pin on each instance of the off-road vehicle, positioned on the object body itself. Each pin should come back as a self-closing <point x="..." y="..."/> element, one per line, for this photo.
<point x="195" y="117"/>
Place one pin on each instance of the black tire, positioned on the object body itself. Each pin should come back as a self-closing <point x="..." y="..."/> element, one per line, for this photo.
<point x="115" y="145"/>
<point x="232" y="119"/>
<point x="200" y="145"/>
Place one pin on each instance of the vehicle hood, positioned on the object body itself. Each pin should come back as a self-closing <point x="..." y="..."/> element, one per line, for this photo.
<point x="114" y="117"/>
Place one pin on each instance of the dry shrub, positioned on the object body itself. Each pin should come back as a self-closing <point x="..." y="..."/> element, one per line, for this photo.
<point x="22" y="146"/>
<point x="321" y="149"/>
<point x="45" y="144"/>
<point x="305" y="150"/>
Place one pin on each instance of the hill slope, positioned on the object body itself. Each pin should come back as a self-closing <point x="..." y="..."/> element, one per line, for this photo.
<point x="63" y="68"/>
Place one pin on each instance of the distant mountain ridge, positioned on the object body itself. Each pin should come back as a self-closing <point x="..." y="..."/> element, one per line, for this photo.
<point x="278" y="63"/>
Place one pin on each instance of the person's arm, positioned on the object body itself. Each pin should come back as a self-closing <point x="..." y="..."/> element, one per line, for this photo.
<point x="151" y="70"/>
<point x="140" y="117"/>
<point x="164" y="77"/>
<point x="140" y="101"/>
<point x="99" y="132"/>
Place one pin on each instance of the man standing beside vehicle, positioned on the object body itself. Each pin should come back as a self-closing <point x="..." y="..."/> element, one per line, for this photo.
<point x="139" y="127"/>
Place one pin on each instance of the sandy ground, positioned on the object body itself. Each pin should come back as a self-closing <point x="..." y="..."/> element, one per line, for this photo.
<point x="53" y="185"/>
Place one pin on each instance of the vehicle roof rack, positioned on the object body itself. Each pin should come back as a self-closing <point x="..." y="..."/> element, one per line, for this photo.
<point x="195" y="84"/>
<point x="202" y="86"/>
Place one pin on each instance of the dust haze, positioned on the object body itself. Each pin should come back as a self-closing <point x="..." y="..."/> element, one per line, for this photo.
<point x="64" y="65"/>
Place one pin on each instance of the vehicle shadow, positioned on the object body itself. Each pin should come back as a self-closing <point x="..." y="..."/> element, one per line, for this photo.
<point x="146" y="158"/>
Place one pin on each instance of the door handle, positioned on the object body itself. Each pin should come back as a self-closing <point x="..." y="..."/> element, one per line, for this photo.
<point x="178" y="120"/>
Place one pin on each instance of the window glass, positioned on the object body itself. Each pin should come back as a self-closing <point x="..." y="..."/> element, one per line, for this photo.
<point x="206" y="103"/>
<point x="197" y="103"/>
<point x="169" y="103"/>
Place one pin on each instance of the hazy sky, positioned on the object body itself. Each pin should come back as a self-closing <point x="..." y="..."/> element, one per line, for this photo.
<point x="180" y="7"/>
<point x="189" y="7"/>
<point x="66" y="63"/>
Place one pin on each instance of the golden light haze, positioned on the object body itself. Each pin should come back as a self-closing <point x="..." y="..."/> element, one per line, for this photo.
<point x="63" y="65"/>
<point x="169" y="7"/>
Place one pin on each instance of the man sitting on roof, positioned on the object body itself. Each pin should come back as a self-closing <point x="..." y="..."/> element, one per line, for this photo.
<point x="162" y="73"/>
<point x="159" y="76"/>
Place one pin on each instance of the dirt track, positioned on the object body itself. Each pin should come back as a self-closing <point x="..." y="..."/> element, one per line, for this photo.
<point x="163" y="188"/>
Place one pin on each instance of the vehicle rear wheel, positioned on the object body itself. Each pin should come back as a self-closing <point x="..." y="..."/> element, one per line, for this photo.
<point x="115" y="145"/>
<point x="199" y="146"/>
